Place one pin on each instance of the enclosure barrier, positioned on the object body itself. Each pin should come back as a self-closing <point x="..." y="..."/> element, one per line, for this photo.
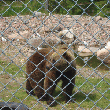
<point x="86" y="35"/>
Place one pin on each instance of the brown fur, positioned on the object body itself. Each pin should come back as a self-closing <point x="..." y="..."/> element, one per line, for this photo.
<point x="35" y="80"/>
<point x="36" y="76"/>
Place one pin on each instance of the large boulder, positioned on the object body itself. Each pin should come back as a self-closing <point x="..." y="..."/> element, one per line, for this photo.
<point x="87" y="49"/>
<point x="104" y="54"/>
<point x="83" y="49"/>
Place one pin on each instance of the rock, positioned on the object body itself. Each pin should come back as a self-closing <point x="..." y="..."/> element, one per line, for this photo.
<point x="98" y="18"/>
<point x="83" y="49"/>
<point x="66" y="34"/>
<point x="85" y="59"/>
<point x="50" y="28"/>
<point x="69" y="41"/>
<point x="87" y="49"/>
<point x="84" y="23"/>
<point x="82" y="54"/>
<point x="108" y="25"/>
<point x="38" y="13"/>
<point x="34" y="42"/>
<point x="57" y="29"/>
<point x="3" y="39"/>
<point x="104" y="54"/>
<point x="13" y="106"/>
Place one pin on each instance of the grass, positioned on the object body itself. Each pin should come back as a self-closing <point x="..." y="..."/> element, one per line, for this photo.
<point x="92" y="62"/>
<point x="91" y="92"/>
<point x="12" y="8"/>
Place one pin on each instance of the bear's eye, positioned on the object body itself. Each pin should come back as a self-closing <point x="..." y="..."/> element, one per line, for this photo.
<point x="53" y="61"/>
<point x="47" y="68"/>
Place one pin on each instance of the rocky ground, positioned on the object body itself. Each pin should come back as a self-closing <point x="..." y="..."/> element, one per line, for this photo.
<point x="93" y="30"/>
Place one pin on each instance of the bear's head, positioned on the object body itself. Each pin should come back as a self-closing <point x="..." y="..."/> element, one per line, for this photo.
<point x="61" y="60"/>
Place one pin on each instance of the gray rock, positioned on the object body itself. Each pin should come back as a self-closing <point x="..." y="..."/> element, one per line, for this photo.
<point x="13" y="106"/>
<point x="87" y="49"/>
<point x="38" y="13"/>
<point x="98" y="18"/>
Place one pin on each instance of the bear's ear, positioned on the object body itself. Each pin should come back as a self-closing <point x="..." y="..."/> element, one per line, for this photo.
<point x="66" y="56"/>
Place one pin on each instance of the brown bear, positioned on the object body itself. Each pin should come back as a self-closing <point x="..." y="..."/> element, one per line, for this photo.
<point x="35" y="69"/>
<point x="48" y="66"/>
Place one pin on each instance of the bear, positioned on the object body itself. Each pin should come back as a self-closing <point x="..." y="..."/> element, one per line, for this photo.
<point x="35" y="68"/>
<point x="46" y="68"/>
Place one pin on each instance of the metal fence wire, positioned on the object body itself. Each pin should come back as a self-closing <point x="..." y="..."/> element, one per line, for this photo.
<point x="39" y="49"/>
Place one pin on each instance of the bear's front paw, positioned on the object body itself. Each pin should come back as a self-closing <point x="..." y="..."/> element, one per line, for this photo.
<point x="43" y="99"/>
<point x="51" y="103"/>
<point x="30" y="93"/>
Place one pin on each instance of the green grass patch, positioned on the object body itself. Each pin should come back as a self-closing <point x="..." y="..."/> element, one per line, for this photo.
<point x="104" y="7"/>
<point x="92" y="62"/>
<point x="11" y="68"/>
<point x="12" y="8"/>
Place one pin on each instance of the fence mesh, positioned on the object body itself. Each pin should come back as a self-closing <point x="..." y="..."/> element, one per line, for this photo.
<point x="54" y="45"/>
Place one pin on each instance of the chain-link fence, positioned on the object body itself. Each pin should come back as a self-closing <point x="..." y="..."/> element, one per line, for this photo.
<point x="58" y="59"/>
